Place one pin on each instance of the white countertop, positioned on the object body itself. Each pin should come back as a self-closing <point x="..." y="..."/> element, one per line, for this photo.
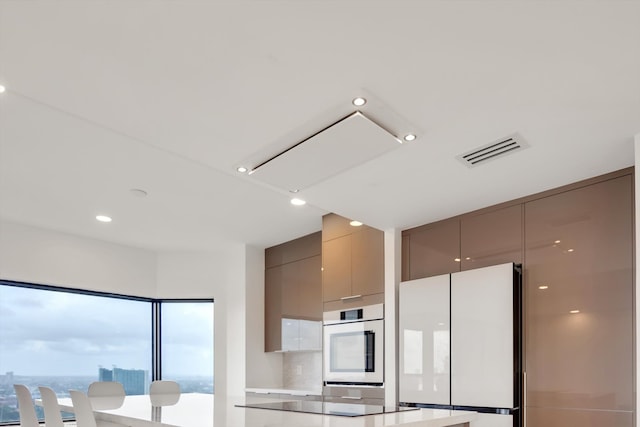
<point x="197" y="410"/>
<point x="291" y="391"/>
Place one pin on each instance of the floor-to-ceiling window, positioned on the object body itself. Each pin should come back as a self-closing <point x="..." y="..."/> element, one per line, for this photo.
<point x="66" y="339"/>
<point x="186" y="344"/>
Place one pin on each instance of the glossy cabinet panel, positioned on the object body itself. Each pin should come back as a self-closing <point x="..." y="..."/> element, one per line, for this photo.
<point x="293" y="294"/>
<point x="434" y="249"/>
<point x="482" y="337"/>
<point x="491" y="238"/>
<point x="424" y="341"/>
<point x="336" y="268"/>
<point x="273" y="309"/>
<point x="550" y="417"/>
<point x="294" y="250"/>
<point x="367" y="261"/>
<point x="579" y="305"/>
<point x="352" y="259"/>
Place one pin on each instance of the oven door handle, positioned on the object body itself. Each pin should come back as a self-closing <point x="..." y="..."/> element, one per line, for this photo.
<point x="351" y="397"/>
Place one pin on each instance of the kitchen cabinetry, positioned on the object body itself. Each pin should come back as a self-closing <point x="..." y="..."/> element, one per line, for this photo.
<point x="433" y="249"/>
<point x="579" y="255"/>
<point x="463" y="243"/>
<point x="491" y="238"/>
<point x="293" y="295"/>
<point x="352" y="260"/>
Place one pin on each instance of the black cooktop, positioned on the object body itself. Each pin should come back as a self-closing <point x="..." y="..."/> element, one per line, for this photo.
<point x="328" y="408"/>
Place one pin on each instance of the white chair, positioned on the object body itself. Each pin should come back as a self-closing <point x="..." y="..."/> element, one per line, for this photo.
<point x="28" y="417"/>
<point x="164" y="393"/>
<point x="84" y="412"/>
<point x="106" y="394"/>
<point x="52" y="415"/>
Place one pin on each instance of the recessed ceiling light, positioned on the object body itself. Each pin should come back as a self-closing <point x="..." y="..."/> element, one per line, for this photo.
<point x="556" y="242"/>
<point x="298" y="202"/>
<point x="468" y="258"/>
<point x="543" y="287"/>
<point x="294" y="191"/>
<point x="409" y="137"/>
<point x="359" y="102"/>
<point x="355" y="223"/>
<point x="241" y="169"/>
<point x="103" y="218"/>
<point x="456" y="259"/>
<point x="574" y="311"/>
<point x="2" y="89"/>
<point x="569" y="250"/>
<point x="138" y="192"/>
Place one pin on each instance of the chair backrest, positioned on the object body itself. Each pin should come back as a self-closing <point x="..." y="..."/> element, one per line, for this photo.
<point x="82" y="408"/>
<point x="52" y="415"/>
<point x="106" y="394"/>
<point x="26" y="409"/>
<point x="164" y="393"/>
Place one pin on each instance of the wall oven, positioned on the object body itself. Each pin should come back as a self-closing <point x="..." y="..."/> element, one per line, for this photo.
<point x="354" y="346"/>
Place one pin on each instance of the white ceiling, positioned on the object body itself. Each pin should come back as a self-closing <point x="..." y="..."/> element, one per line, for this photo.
<point x="171" y="96"/>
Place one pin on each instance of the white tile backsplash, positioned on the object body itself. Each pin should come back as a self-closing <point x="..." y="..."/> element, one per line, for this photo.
<point x="302" y="370"/>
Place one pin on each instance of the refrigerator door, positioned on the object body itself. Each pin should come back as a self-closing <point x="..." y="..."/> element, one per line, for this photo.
<point x="482" y="313"/>
<point x="424" y="340"/>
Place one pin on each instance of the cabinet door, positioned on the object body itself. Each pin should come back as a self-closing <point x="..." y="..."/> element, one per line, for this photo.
<point x="273" y="309"/>
<point x="367" y="261"/>
<point x="491" y="238"/>
<point x="336" y="268"/>
<point x="580" y="306"/>
<point x="424" y="329"/>
<point x="482" y="362"/>
<point x="309" y="289"/>
<point x="434" y="249"/>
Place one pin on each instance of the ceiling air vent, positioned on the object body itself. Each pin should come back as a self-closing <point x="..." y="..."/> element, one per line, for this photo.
<point x="493" y="150"/>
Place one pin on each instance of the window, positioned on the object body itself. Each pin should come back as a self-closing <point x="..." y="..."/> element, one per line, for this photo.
<point x="187" y="345"/>
<point x="66" y="339"/>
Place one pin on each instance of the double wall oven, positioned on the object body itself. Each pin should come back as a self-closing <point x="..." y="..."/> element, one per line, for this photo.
<point x="354" y="347"/>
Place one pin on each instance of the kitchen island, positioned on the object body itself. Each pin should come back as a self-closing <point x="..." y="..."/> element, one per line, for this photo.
<point x="205" y="410"/>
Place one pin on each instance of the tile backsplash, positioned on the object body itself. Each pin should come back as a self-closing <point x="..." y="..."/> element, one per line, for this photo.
<point x="302" y="370"/>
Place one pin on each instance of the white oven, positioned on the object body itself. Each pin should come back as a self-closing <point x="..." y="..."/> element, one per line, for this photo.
<point x="354" y="346"/>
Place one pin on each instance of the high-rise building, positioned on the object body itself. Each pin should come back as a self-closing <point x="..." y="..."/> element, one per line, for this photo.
<point x="134" y="381"/>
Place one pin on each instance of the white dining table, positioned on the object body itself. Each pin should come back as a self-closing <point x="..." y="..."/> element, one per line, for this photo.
<point x="206" y="410"/>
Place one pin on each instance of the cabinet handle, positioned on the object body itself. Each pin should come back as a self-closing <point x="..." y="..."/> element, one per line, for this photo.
<point x="350" y="397"/>
<point x="351" y="297"/>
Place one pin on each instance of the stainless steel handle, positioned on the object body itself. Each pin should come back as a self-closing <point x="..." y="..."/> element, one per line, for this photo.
<point x="351" y="297"/>
<point x="350" y="397"/>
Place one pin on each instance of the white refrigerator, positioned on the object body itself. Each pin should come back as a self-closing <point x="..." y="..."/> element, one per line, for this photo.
<point x="460" y="338"/>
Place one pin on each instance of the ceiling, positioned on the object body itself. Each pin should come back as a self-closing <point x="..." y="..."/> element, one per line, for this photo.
<point x="172" y="96"/>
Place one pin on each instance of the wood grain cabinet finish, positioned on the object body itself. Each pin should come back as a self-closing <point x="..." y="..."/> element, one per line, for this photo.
<point x="293" y="290"/>
<point x="491" y="238"/>
<point x="352" y="259"/>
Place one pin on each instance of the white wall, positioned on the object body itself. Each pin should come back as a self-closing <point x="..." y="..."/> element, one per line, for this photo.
<point x="392" y="276"/>
<point x="36" y="255"/>
<point x="262" y="369"/>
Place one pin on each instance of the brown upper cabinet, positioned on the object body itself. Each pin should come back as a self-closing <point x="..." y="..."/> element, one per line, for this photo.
<point x="293" y="292"/>
<point x="352" y="260"/>
<point x="431" y="249"/>
<point x="491" y="238"/>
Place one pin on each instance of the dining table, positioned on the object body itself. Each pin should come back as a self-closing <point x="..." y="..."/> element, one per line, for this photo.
<point x="208" y="410"/>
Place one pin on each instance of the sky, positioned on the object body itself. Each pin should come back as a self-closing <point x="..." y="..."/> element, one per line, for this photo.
<point x="59" y="333"/>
